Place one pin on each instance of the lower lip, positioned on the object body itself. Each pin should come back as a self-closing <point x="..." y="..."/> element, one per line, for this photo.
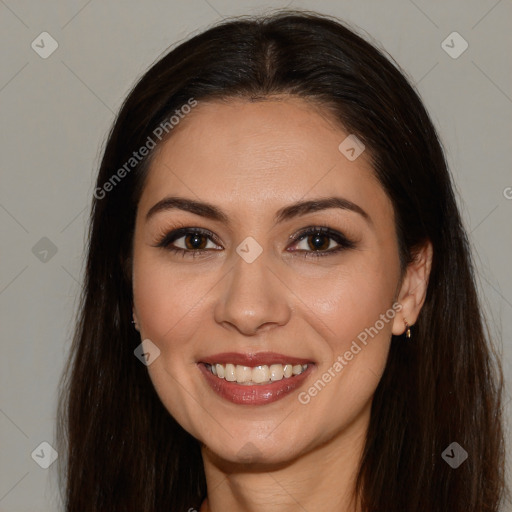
<point x="259" y="394"/>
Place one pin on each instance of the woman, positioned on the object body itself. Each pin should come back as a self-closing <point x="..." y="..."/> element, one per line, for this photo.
<point x="279" y="310"/>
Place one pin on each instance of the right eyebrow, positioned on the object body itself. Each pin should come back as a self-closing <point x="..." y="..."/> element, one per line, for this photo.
<point x="206" y="210"/>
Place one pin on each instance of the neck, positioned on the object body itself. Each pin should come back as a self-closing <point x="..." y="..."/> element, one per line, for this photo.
<point x="321" y="479"/>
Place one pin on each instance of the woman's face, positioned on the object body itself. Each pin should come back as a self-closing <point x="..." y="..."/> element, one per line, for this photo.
<point x="255" y="304"/>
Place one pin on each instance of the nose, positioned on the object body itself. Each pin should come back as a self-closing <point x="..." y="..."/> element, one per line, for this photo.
<point x="253" y="298"/>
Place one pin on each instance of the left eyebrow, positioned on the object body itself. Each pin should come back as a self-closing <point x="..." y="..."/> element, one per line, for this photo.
<point x="297" y="209"/>
<point x="314" y="205"/>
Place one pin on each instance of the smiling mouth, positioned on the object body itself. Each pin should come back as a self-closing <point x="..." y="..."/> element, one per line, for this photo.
<point x="254" y="378"/>
<point x="255" y="375"/>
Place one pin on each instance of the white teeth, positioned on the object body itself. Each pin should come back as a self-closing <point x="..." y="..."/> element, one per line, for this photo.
<point x="297" y="369"/>
<point x="260" y="374"/>
<point x="276" y="372"/>
<point x="243" y="373"/>
<point x="263" y="374"/>
<point x="229" y="372"/>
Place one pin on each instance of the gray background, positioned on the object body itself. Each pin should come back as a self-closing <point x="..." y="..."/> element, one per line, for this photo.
<point x="55" y="116"/>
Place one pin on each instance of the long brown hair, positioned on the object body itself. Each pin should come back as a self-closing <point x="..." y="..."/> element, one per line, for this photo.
<point x="123" y="451"/>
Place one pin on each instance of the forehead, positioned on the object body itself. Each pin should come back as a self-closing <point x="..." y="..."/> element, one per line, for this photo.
<point x="240" y="153"/>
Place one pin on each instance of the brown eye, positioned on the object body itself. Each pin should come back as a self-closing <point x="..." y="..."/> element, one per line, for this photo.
<point x="321" y="241"/>
<point x="195" y="241"/>
<point x="318" y="242"/>
<point x="188" y="241"/>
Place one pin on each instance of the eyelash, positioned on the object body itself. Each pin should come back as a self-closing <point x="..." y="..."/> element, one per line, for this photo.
<point x="344" y="243"/>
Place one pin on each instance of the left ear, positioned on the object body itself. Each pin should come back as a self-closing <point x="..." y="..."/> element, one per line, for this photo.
<point x="413" y="290"/>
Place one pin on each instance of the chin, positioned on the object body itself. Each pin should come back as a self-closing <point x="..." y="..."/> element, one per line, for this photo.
<point x="257" y="450"/>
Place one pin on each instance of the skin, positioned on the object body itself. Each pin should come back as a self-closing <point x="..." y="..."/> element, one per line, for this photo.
<point x="250" y="159"/>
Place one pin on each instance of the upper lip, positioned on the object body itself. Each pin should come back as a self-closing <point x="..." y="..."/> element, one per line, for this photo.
<point x="253" y="359"/>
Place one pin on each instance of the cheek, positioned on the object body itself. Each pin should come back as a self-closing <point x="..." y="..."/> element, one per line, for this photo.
<point x="166" y="300"/>
<point x="354" y="312"/>
<point x="353" y="298"/>
<point x="357" y="308"/>
<point x="168" y="308"/>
